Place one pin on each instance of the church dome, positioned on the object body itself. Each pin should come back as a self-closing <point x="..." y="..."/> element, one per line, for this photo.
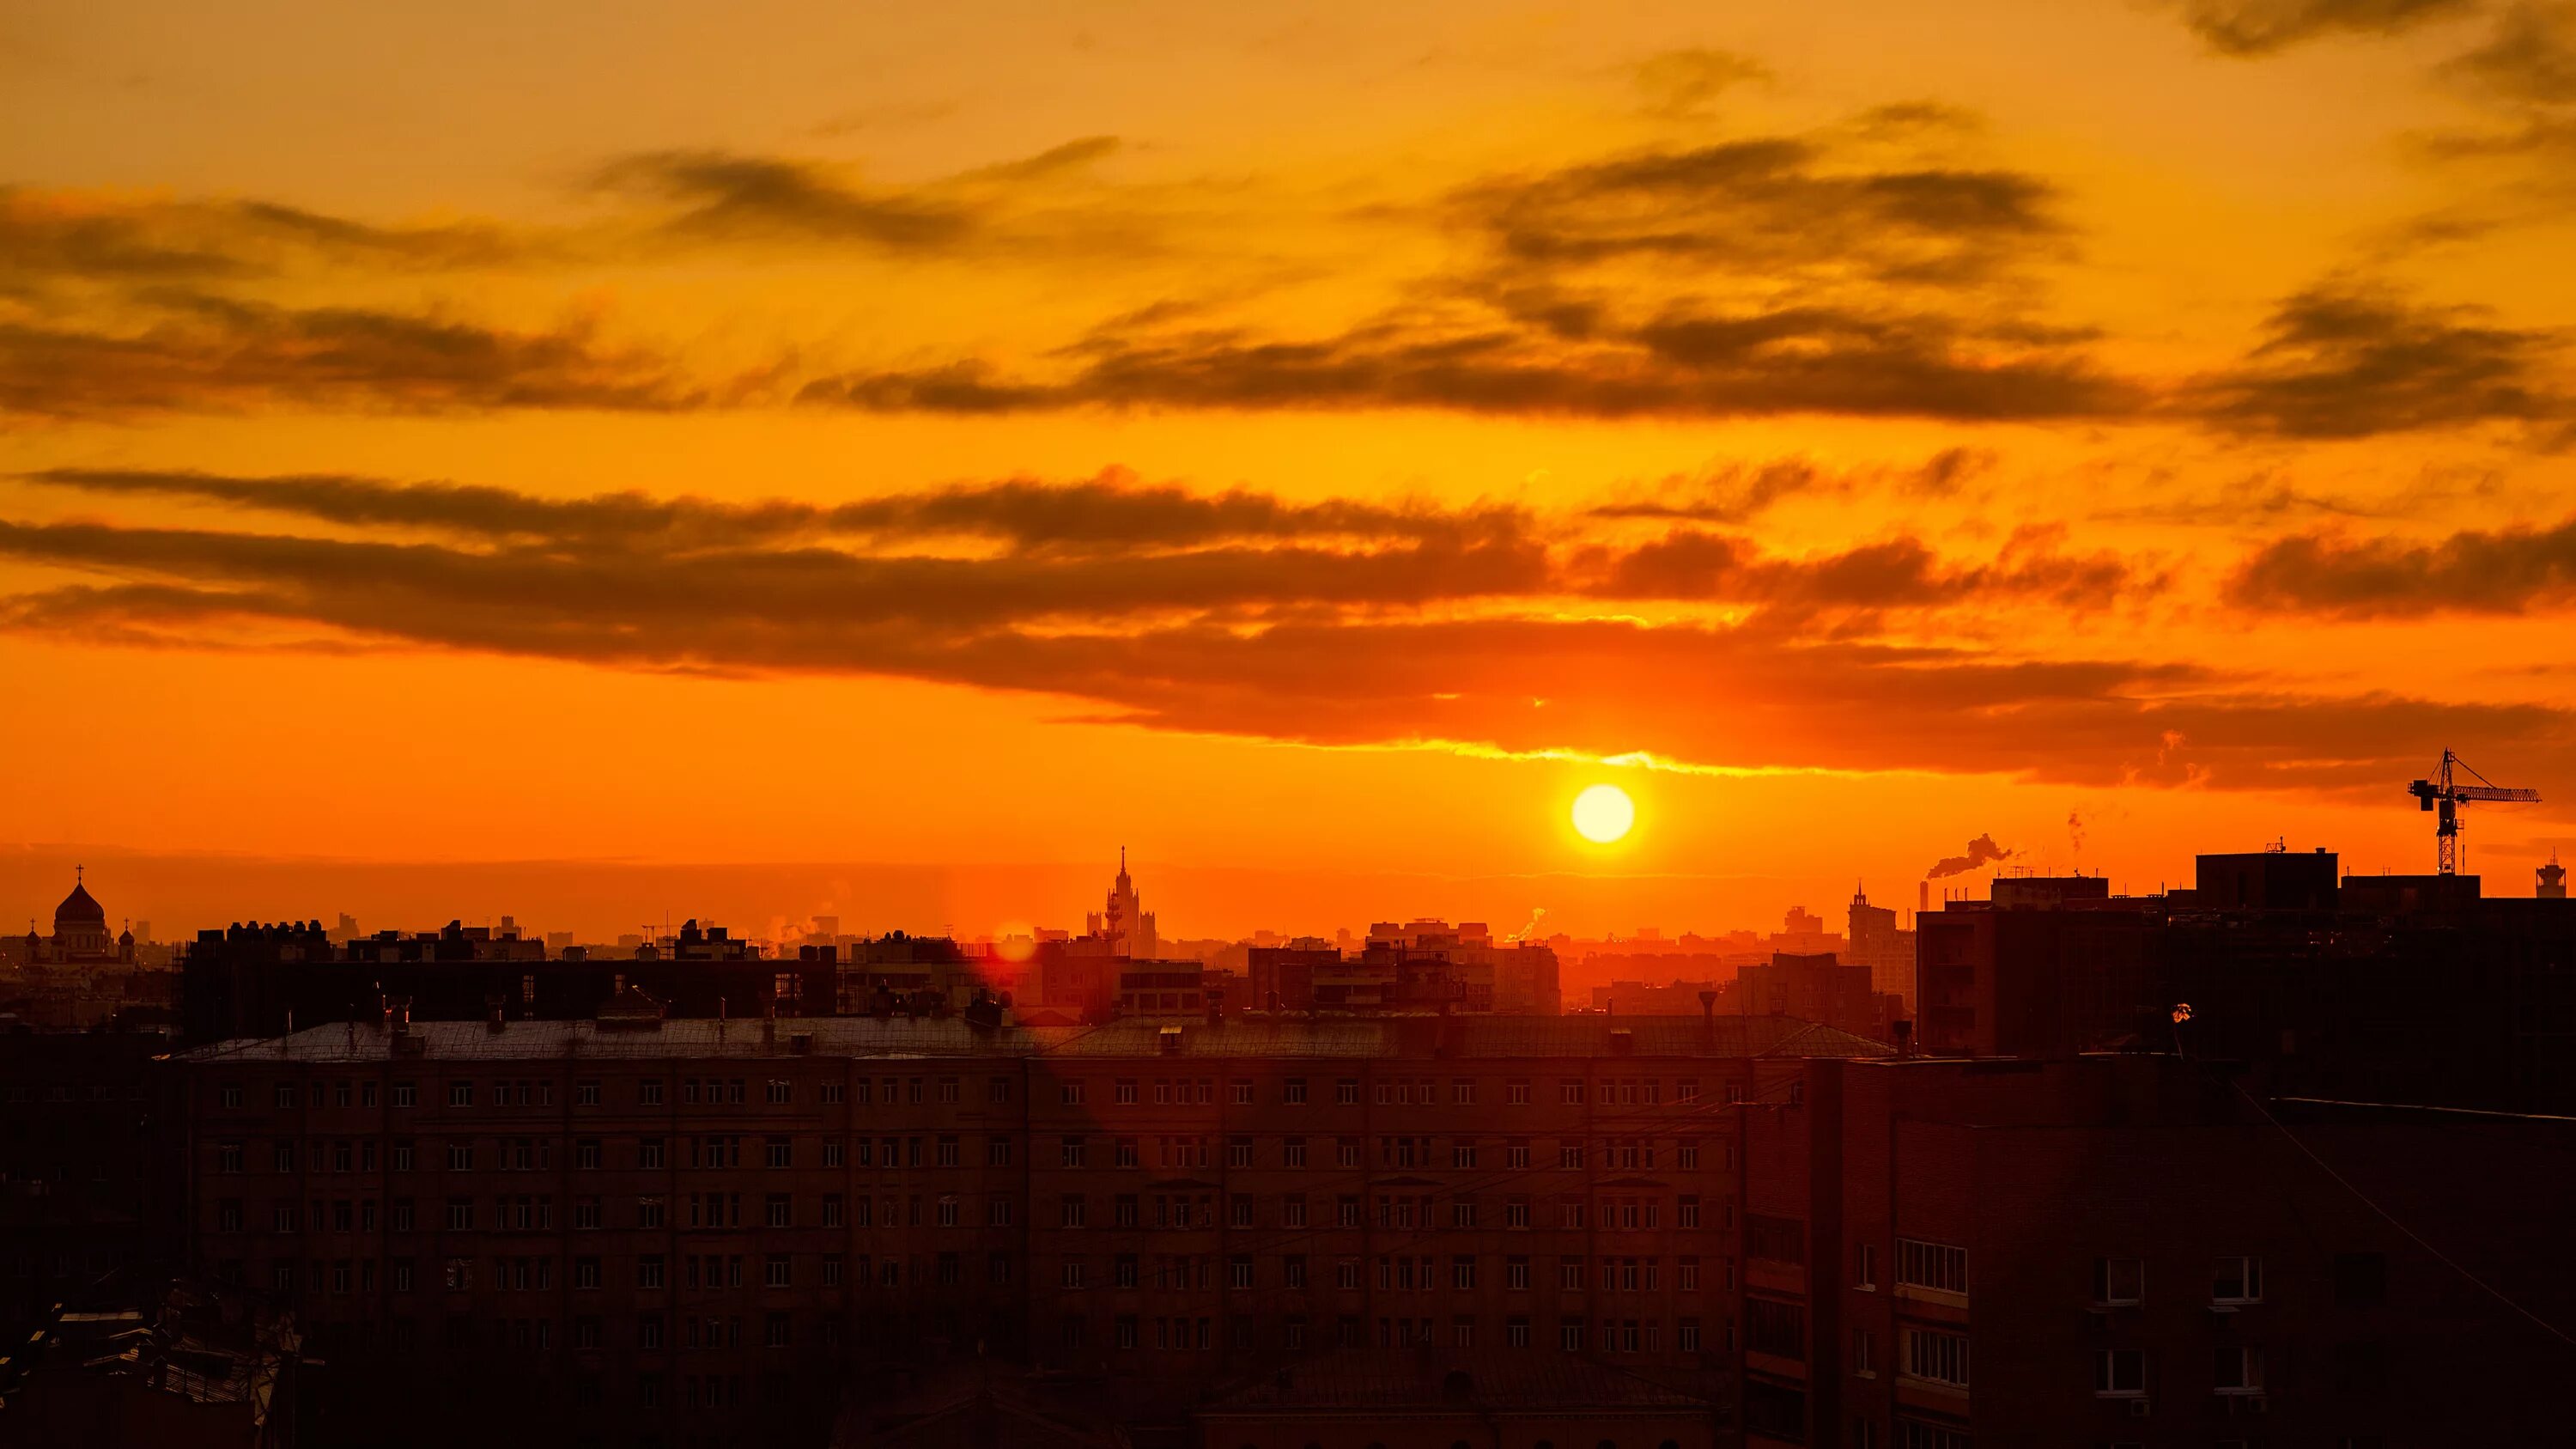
<point x="79" y="907"/>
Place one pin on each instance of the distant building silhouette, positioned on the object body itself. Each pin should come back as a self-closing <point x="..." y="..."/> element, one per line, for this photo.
<point x="1877" y="944"/>
<point x="1122" y="924"/>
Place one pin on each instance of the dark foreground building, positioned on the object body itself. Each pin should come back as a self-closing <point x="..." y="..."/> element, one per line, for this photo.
<point x="664" y="1233"/>
<point x="2402" y="989"/>
<point x="2136" y="1250"/>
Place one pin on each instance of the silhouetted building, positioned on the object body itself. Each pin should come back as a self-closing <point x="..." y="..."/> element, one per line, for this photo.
<point x="255" y="980"/>
<point x="1878" y="945"/>
<point x="1122" y="924"/>
<point x="2129" y="1250"/>
<point x="2376" y="988"/>
<point x="645" y="1225"/>
<point x="1419" y="966"/>
<point x="1637" y="998"/>
<point x="1816" y="988"/>
<point x="88" y="1172"/>
<point x="2037" y="973"/>
<point x="1438" y="1398"/>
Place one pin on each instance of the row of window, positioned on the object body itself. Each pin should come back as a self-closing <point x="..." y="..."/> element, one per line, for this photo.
<point x="919" y="1091"/>
<point x="537" y="1154"/>
<point x="719" y="1209"/>
<point x="1198" y="1334"/>
<point x="1622" y="1213"/>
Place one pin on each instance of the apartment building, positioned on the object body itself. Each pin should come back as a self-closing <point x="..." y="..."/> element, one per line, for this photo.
<point x="2129" y="1250"/>
<point x="677" y="1233"/>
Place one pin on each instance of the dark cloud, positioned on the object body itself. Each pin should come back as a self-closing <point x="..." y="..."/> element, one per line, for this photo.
<point x="1802" y="359"/>
<point x="50" y="234"/>
<point x="2352" y="361"/>
<point x="1602" y="290"/>
<point x="1329" y="623"/>
<point x="1738" y="492"/>
<point x="2500" y="571"/>
<point x="1679" y="83"/>
<point x="726" y="197"/>
<point x="1072" y="156"/>
<point x="2263" y="27"/>
<point x="197" y="352"/>
<point x="2530" y="58"/>
<point x="1778" y="204"/>
<point x="1112" y="512"/>
<point x="1894" y="574"/>
<point x="1736" y="696"/>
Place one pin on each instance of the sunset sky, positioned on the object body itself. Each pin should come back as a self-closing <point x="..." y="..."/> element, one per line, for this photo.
<point x="930" y="447"/>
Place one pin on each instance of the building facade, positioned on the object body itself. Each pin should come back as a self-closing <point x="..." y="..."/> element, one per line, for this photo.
<point x="1938" y="1254"/>
<point x="689" y="1233"/>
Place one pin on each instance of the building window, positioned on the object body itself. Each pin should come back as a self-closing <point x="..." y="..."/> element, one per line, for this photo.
<point x="2119" y="1282"/>
<point x="1933" y="1356"/>
<point x="1293" y="1091"/>
<point x="776" y="1272"/>
<point x="2236" y="1280"/>
<point x="1570" y="1093"/>
<point x="460" y="1094"/>
<point x="1936" y="1266"/>
<point x="1072" y="1098"/>
<point x="1569" y="1335"/>
<point x="1775" y="1328"/>
<point x="1073" y="1212"/>
<point x="1346" y="1092"/>
<point x="648" y="1271"/>
<point x="2119" y="1372"/>
<point x="1125" y="1093"/>
<point x="1073" y="1272"/>
<point x="1688" y="1207"/>
<point x="1073" y="1152"/>
<point x="2237" y="1369"/>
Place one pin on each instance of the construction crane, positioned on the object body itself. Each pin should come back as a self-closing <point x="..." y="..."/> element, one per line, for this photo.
<point x="2447" y="796"/>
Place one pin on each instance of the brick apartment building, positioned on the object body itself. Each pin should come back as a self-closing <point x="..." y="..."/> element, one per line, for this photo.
<point x="2124" y="1251"/>
<point x="2405" y="989"/>
<point x="84" y="1187"/>
<point x="650" y="1232"/>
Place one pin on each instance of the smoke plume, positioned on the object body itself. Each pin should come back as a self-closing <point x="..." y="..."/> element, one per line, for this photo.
<point x="1981" y="851"/>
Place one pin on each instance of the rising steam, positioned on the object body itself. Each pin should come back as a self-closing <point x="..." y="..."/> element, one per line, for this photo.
<point x="1981" y="851"/>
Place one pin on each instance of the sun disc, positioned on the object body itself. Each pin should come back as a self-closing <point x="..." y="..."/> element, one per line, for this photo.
<point x="1603" y="813"/>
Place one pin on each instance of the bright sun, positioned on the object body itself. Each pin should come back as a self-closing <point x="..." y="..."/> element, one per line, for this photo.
<point x="1603" y="813"/>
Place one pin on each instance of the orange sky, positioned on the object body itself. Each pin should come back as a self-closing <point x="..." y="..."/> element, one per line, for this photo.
<point x="1305" y="445"/>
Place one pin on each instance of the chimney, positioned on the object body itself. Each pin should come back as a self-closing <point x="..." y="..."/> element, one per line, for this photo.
<point x="1708" y="1017"/>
